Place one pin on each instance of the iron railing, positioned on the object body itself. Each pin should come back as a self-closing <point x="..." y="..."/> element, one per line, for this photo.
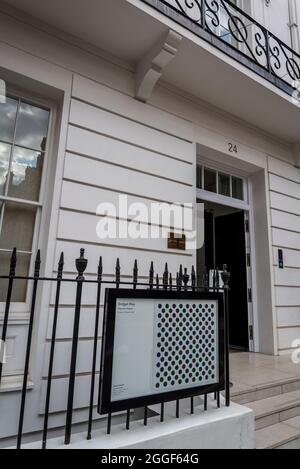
<point x="226" y="26"/>
<point x="182" y="281"/>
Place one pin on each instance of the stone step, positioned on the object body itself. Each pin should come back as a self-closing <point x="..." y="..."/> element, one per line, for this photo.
<point x="284" y="435"/>
<point x="276" y="409"/>
<point x="265" y="391"/>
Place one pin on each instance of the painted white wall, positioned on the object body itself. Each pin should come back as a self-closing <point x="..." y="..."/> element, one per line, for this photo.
<point x="275" y="16"/>
<point x="108" y="143"/>
<point x="225" y="428"/>
<point x="285" y="216"/>
<point x="281" y="17"/>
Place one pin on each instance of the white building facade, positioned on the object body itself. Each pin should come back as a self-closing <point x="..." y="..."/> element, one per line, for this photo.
<point x="135" y="98"/>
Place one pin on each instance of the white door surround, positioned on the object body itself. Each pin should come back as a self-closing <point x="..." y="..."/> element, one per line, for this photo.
<point x="239" y="205"/>
<point x="255" y="205"/>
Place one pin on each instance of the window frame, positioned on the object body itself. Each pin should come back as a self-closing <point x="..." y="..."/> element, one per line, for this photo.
<point x="230" y="201"/>
<point x="218" y="31"/>
<point x="32" y="99"/>
<point x="248" y="9"/>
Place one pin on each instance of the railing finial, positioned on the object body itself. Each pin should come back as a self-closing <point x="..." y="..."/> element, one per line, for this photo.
<point x="81" y="264"/>
<point x="225" y="277"/>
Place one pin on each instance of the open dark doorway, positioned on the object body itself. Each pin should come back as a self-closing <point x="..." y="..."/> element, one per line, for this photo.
<point x="225" y="243"/>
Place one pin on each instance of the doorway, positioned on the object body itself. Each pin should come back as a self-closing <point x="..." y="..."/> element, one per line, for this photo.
<point x="225" y="242"/>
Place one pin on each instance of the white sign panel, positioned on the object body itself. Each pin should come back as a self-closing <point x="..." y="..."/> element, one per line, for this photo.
<point x="163" y="346"/>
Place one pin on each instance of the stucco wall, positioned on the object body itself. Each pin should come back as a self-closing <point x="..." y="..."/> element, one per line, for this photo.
<point x="107" y="143"/>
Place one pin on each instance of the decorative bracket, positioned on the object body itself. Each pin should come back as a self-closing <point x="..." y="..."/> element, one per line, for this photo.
<point x="150" y="68"/>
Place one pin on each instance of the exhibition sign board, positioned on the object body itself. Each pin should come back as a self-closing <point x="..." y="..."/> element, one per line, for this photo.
<point x="160" y="346"/>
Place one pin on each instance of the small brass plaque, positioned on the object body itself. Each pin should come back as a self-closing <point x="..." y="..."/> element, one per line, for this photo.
<point x="177" y="242"/>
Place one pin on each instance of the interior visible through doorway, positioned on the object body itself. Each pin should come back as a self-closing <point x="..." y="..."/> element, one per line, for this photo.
<point x="225" y="243"/>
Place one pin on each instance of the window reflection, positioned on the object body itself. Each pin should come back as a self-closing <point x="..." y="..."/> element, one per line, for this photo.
<point x="26" y="174"/>
<point x="20" y="289"/>
<point x="4" y="165"/>
<point x="199" y="177"/>
<point x="237" y="188"/>
<point x="23" y="136"/>
<point x="220" y="183"/>
<point x="20" y="216"/>
<point x="8" y="113"/>
<point x="224" y="185"/>
<point x="210" y="180"/>
<point x="222" y="29"/>
<point x="32" y="127"/>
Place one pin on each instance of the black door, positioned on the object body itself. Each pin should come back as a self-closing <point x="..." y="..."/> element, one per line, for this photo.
<point x="230" y="249"/>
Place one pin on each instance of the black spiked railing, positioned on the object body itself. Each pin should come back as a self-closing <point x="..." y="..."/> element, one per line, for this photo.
<point x="171" y="281"/>
<point x="226" y="279"/>
<point x="135" y="274"/>
<point x="157" y="281"/>
<point x="95" y="349"/>
<point x="182" y="281"/>
<point x="186" y="279"/>
<point x="81" y="265"/>
<point x="37" y="267"/>
<point x="180" y="278"/>
<point x="235" y="32"/>
<point x="12" y="273"/>
<point x="166" y="277"/>
<point x="118" y="273"/>
<point x="194" y="278"/>
<point x="206" y="279"/>
<point x="151" y="276"/>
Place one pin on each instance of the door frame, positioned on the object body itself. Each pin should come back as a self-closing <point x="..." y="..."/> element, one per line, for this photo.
<point x="247" y="207"/>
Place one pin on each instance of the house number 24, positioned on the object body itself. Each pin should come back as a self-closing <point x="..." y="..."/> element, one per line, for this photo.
<point x="232" y="148"/>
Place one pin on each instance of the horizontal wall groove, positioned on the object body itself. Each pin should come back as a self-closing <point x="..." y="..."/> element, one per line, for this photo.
<point x="287" y="230"/>
<point x="288" y="327"/>
<point x="200" y="103"/>
<point x="89" y="243"/>
<point x="128" y="94"/>
<point x="281" y="285"/>
<point x="128" y="168"/>
<point x="68" y="340"/>
<point x="78" y="375"/>
<point x="277" y="246"/>
<point x="128" y="220"/>
<point x="72" y="306"/>
<point x="287" y="306"/>
<point x="130" y="119"/>
<point x="132" y="194"/>
<point x="286" y="195"/>
<point x="286" y="211"/>
<point x="290" y="267"/>
<point x="284" y="177"/>
<point x="289" y="349"/>
<point x="278" y="158"/>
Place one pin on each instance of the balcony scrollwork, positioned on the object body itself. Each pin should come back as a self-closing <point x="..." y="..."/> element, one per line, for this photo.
<point x="240" y="33"/>
<point x="191" y="8"/>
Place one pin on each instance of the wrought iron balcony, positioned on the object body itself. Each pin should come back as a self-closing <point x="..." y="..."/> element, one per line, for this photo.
<point x="227" y="27"/>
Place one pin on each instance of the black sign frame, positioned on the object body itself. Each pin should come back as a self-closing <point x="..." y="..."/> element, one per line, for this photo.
<point x="105" y="404"/>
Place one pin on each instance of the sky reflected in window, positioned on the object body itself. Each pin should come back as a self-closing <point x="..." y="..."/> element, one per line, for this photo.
<point x="32" y="127"/>
<point x="8" y="113"/>
<point x="4" y="165"/>
<point x="26" y="172"/>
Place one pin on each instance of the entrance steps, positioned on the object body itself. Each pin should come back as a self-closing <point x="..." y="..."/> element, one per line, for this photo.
<point x="277" y="413"/>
